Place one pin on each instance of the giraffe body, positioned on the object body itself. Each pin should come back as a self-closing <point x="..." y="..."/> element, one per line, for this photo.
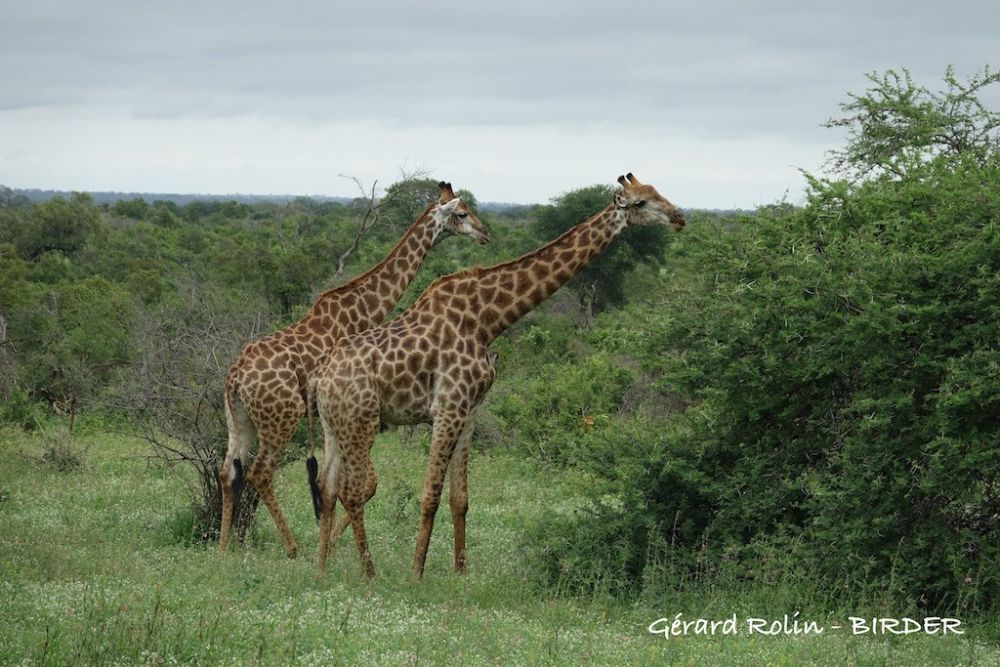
<point x="433" y="364"/>
<point x="266" y="385"/>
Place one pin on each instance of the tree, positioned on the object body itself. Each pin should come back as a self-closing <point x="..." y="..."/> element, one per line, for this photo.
<point x="71" y="337"/>
<point x="59" y="225"/>
<point x="897" y="125"/>
<point x="135" y="208"/>
<point x="405" y="199"/>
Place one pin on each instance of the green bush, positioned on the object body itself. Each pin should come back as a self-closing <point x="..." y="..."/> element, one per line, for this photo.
<point x="840" y="388"/>
<point x="845" y="388"/>
<point x="554" y="412"/>
<point x="21" y="411"/>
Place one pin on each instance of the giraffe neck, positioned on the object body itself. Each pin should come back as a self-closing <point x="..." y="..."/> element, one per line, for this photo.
<point x="525" y="282"/>
<point x="485" y="302"/>
<point x="379" y="289"/>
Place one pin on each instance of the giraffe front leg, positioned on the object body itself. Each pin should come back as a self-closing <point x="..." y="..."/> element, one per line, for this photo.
<point x="458" y="494"/>
<point x="446" y="432"/>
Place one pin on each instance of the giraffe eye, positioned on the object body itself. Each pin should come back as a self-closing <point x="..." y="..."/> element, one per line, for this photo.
<point x="640" y="203"/>
<point x="463" y="215"/>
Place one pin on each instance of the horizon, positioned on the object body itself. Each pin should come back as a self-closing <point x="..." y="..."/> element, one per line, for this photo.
<point x="108" y="196"/>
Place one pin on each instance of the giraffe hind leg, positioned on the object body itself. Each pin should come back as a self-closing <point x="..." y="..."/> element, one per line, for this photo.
<point x="371" y="485"/>
<point x="261" y="476"/>
<point x="231" y="477"/>
<point x="231" y="482"/>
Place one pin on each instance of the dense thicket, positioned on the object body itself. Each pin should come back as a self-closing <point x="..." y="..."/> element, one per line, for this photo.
<point x="836" y="379"/>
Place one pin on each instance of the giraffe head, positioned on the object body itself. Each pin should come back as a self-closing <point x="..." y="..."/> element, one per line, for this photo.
<point x="643" y="205"/>
<point x="453" y="216"/>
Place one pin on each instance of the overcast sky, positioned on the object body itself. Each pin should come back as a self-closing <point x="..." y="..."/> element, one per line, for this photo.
<point x="718" y="104"/>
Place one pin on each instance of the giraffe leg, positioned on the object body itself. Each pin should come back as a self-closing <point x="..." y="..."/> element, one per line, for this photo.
<point x="352" y="497"/>
<point x="458" y="493"/>
<point x="371" y="485"/>
<point x="261" y="475"/>
<point x="447" y="429"/>
<point x="358" y="471"/>
<point x="231" y="477"/>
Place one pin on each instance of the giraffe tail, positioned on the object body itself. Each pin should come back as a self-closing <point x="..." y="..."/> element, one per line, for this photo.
<point x="238" y="483"/>
<point x="312" y="466"/>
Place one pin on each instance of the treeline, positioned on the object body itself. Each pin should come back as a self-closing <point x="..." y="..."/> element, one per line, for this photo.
<point x="805" y="394"/>
<point x="21" y="196"/>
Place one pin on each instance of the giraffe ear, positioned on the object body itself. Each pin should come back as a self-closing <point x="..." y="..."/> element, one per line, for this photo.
<point x="621" y="201"/>
<point x="449" y="207"/>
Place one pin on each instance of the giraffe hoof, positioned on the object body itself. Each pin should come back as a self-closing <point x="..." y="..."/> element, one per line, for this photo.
<point x="292" y="553"/>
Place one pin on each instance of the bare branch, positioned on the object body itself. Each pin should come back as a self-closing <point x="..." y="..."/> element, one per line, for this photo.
<point x="372" y="205"/>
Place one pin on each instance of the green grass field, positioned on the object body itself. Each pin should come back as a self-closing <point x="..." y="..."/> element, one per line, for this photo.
<point x="92" y="572"/>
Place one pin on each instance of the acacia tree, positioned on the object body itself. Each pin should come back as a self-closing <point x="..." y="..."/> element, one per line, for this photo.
<point x="897" y="124"/>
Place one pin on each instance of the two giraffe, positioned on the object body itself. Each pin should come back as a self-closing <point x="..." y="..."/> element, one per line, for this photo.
<point x="432" y="364"/>
<point x="266" y="385"/>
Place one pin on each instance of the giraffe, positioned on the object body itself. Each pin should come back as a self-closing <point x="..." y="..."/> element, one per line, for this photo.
<point x="432" y="364"/>
<point x="266" y="385"/>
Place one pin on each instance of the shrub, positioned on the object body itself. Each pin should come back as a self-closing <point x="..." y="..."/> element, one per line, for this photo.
<point x="551" y="412"/>
<point x="845" y="387"/>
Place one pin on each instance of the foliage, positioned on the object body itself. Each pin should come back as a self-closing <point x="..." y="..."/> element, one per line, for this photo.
<point x="406" y="200"/>
<point x="845" y="391"/>
<point x="840" y="372"/>
<point x="173" y="392"/>
<point x="58" y="225"/>
<point x="71" y="336"/>
<point x="562" y="407"/>
<point x="897" y="125"/>
<point x="19" y="410"/>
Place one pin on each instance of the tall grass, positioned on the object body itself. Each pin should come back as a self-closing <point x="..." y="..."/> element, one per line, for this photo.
<point x="96" y="568"/>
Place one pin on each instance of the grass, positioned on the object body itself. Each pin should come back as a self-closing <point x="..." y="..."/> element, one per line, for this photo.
<point x="92" y="572"/>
